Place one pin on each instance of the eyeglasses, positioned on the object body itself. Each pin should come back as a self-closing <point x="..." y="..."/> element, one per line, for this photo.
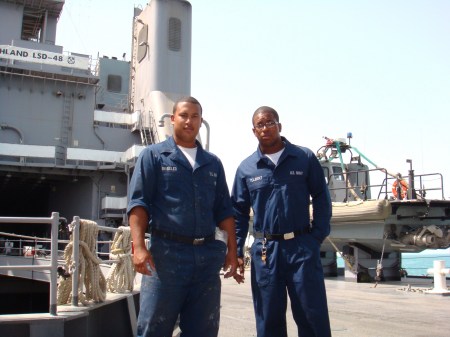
<point x="268" y="125"/>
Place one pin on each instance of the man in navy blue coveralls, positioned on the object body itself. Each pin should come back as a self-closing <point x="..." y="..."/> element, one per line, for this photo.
<point x="181" y="191"/>
<point x="277" y="182"/>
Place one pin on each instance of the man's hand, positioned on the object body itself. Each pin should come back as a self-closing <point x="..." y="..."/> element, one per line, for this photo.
<point x="231" y="261"/>
<point x="236" y="270"/>
<point x="231" y="264"/>
<point x="239" y="275"/>
<point x="143" y="261"/>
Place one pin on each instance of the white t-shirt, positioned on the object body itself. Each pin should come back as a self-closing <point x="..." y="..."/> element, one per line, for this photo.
<point x="190" y="153"/>
<point x="274" y="157"/>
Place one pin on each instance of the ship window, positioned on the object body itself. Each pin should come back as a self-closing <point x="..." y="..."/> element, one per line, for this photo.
<point x="114" y="83"/>
<point x="174" y="34"/>
<point x="326" y="173"/>
<point x="337" y="173"/>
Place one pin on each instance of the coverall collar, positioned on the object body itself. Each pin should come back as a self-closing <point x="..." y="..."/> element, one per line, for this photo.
<point x="287" y="152"/>
<point x="171" y="149"/>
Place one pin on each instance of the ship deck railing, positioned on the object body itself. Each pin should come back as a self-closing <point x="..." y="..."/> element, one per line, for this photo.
<point x="41" y="250"/>
<point x="53" y="266"/>
<point x="424" y="184"/>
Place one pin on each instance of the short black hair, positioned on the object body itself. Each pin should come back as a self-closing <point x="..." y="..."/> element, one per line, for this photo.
<point x="187" y="99"/>
<point x="268" y="109"/>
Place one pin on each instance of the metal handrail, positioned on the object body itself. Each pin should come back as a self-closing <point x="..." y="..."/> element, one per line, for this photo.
<point x="358" y="186"/>
<point x="384" y="184"/>
<point x="75" y="228"/>
<point x="53" y="266"/>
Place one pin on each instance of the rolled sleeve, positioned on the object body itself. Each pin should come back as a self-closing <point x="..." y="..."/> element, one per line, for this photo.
<point x="143" y="175"/>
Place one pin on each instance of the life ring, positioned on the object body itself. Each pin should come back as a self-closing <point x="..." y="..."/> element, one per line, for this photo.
<point x="403" y="189"/>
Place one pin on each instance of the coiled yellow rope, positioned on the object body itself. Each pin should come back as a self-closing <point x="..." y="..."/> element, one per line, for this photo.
<point x="121" y="277"/>
<point x="91" y="282"/>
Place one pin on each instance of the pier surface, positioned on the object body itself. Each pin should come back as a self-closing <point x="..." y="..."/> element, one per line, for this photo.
<point x="355" y="309"/>
<point x="387" y="309"/>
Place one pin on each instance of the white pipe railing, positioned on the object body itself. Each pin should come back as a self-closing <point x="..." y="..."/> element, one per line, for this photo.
<point x="53" y="266"/>
<point x="75" y="258"/>
<point x="75" y="228"/>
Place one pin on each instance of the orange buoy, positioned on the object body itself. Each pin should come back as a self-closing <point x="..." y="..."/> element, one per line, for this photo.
<point x="403" y="188"/>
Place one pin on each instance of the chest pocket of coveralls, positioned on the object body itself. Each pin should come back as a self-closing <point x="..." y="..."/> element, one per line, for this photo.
<point x="296" y="187"/>
<point x="206" y="183"/>
<point x="174" y="188"/>
<point x="259" y="188"/>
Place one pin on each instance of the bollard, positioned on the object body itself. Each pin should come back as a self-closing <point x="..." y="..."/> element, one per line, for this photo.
<point x="440" y="282"/>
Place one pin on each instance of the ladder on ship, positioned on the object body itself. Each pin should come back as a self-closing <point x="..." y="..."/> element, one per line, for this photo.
<point x="149" y="134"/>
<point x="66" y="128"/>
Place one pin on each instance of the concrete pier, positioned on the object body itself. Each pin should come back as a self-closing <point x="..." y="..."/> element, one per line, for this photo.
<point x="389" y="309"/>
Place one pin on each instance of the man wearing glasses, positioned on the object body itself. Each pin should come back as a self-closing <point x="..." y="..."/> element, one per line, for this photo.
<point x="278" y="182"/>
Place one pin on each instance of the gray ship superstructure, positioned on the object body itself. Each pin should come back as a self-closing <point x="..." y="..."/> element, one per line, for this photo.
<point x="71" y="127"/>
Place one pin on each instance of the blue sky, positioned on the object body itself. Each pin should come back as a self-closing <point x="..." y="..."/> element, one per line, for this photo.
<point x="379" y="69"/>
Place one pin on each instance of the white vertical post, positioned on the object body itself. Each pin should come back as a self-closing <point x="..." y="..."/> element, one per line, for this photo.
<point x="440" y="282"/>
<point x="75" y="258"/>
<point x="54" y="263"/>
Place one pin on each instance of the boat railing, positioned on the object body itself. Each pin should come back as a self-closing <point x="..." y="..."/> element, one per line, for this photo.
<point x="421" y="191"/>
<point x="356" y="186"/>
<point x="36" y="247"/>
<point x="53" y="266"/>
<point x="44" y="248"/>
<point x="20" y="245"/>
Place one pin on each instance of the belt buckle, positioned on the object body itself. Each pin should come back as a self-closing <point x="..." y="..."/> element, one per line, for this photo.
<point x="198" y="241"/>
<point x="288" y="236"/>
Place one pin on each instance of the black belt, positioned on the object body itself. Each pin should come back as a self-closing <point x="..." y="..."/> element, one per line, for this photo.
<point x="285" y="236"/>
<point x="182" y="238"/>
